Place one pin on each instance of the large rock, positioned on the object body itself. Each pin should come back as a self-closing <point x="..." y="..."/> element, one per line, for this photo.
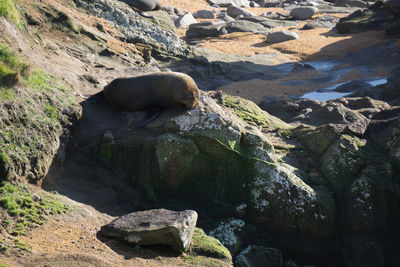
<point x="344" y="160"/>
<point x="135" y="27"/>
<point x="184" y="21"/>
<point x="199" y="30"/>
<point x="228" y="232"/>
<point x="235" y="11"/>
<point x="204" y="14"/>
<point x="303" y="13"/>
<point x="281" y="36"/>
<point x="154" y="227"/>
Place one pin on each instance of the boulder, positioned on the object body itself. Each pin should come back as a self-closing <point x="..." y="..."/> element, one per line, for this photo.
<point x="303" y="13"/>
<point x="229" y="232"/>
<point x="245" y="26"/>
<point x="270" y="3"/>
<point x="235" y="11"/>
<point x="254" y="256"/>
<point x="200" y="30"/>
<point x="204" y="14"/>
<point x="154" y="227"/>
<point x="281" y="36"/>
<point x="184" y="21"/>
<point x="344" y="159"/>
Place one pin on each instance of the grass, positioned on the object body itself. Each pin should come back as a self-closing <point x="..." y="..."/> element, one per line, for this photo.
<point x="12" y="67"/>
<point x="25" y="210"/>
<point x="33" y="113"/>
<point x="9" y="11"/>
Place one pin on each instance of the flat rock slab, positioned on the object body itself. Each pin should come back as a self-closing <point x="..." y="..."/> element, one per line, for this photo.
<point x="270" y="23"/>
<point x="154" y="227"/>
<point x="235" y="11"/>
<point x="245" y="26"/>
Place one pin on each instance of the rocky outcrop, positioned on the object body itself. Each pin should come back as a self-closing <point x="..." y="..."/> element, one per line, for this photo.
<point x="376" y="17"/>
<point x="154" y="227"/>
<point x="136" y="28"/>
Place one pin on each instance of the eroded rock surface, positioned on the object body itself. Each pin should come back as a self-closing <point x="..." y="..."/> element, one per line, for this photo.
<point x="154" y="227"/>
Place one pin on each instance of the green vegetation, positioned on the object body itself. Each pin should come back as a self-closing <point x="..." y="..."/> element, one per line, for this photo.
<point x="11" y="67"/>
<point x="208" y="246"/>
<point x="3" y="265"/>
<point x="33" y="114"/>
<point x="25" y="210"/>
<point x="25" y="207"/>
<point x="251" y="113"/>
<point x="21" y="245"/>
<point x="9" y="11"/>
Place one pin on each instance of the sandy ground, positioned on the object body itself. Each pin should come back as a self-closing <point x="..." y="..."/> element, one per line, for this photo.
<point x="311" y="45"/>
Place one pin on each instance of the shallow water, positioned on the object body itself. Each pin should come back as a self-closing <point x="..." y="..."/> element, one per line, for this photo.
<point x="322" y="65"/>
<point x="378" y="82"/>
<point x="324" y="96"/>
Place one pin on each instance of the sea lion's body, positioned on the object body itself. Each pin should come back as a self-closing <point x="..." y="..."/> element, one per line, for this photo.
<point x="144" y="5"/>
<point x="164" y="89"/>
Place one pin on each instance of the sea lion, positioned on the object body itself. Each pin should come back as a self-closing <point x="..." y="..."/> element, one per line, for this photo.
<point x="144" y="5"/>
<point x="163" y="89"/>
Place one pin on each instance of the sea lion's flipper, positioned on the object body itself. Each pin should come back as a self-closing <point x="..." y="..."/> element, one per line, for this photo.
<point x="143" y="14"/>
<point x="151" y="115"/>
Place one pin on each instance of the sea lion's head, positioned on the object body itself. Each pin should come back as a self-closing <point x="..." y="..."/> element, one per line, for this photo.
<point x="189" y="92"/>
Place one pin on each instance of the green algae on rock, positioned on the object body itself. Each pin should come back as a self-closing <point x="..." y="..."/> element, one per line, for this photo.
<point x="204" y="245"/>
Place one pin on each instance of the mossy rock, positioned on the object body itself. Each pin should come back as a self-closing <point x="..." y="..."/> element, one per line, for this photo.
<point x="317" y="139"/>
<point x="344" y="159"/>
<point x="251" y="113"/>
<point x="366" y="203"/>
<point x="208" y="246"/>
<point x="363" y="20"/>
<point x="280" y="201"/>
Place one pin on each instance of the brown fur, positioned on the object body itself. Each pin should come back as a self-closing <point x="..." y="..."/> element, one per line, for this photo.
<point x="165" y="89"/>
